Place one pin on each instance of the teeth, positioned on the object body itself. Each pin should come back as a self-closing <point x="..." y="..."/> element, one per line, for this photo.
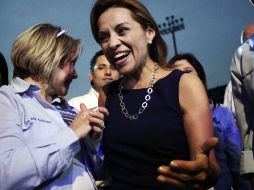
<point x="120" y="54"/>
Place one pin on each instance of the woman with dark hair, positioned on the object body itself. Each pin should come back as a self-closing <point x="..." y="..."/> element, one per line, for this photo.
<point x="151" y="122"/>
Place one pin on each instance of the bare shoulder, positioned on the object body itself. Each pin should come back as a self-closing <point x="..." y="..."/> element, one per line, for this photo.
<point x="191" y="90"/>
<point x="190" y="82"/>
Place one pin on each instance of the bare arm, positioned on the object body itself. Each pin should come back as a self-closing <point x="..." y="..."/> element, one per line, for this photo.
<point x="196" y="112"/>
<point x="202" y="171"/>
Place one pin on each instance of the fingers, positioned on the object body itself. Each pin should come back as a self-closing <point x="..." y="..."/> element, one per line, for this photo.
<point x="208" y="145"/>
<point x="172" y="181"/>
<point x="195" y="173"/>
<point x="97" y="118"/>
<point x="201" y="161"/>
<point x="181" y="180"/>
<point x="103" y="110"/>
<point x="83" y="107"/>
<point x="195" y="166"/>
<point x="188" y="174"/>
<point x="80" y="125"/>
<point x="191" y="174"/>
<point x="87" y="120"/>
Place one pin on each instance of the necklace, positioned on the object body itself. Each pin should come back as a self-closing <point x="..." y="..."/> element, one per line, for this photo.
<point x="145" y="102"/>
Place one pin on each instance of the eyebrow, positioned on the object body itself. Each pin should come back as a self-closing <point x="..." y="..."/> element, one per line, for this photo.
<point x="117" y="26"/>
<point x="123" y="23"/>
<point x="101" y="64"/>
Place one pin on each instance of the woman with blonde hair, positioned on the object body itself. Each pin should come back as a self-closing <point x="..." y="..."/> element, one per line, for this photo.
<point x="38" y="149"/>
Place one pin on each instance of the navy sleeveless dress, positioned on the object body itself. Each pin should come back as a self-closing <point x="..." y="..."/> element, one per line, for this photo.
<point x="134" y="149"/>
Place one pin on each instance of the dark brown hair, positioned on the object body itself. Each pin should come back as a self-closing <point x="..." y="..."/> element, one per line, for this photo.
<point x="158" y="49"/>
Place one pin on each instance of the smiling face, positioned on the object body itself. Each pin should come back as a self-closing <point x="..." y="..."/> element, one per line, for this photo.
<point x="62" y="77"/>
<point x="103" y="73"/>
<point x="123" y="40"/>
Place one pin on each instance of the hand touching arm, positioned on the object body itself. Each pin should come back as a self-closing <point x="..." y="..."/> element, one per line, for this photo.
<point x="202" y="170"/>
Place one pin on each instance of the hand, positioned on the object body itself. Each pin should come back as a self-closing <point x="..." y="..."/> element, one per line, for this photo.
<point x="97" y="120"/>
<point x="81" y="124"/>
<point x="200" y="173"/>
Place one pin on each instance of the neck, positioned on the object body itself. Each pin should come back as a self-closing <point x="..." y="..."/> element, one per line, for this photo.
<point x="33" y="82"/>
<point x="96" y="88"/>
<point x="141" y="78"/>
<point x="46" y="96"/>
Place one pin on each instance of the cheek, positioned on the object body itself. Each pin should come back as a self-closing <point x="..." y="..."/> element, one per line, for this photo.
<point x="104" y="47"/>
<point x="67" y="69"/>
<point x="115" y="75"/>
<point x="100" y="75"/>
<point x="58" y="77"/>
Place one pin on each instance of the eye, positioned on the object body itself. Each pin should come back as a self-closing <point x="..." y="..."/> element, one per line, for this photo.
<point x="112" y="67"/>
<point x="188" y="69"/>
<point x="103" y="37"/>
<point x="101" y="67"/>
<point x="122" y="30"/>
<point x="73" y="62"/>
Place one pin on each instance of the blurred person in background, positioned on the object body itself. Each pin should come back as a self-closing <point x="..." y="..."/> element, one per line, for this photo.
<point x="3" y="71"/>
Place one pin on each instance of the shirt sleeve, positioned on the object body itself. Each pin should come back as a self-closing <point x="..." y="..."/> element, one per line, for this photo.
<point x="26" y="165"/>
<point x="247" y="69"/>
<point x="232" y="143"/>
<point x="242" y="77"/>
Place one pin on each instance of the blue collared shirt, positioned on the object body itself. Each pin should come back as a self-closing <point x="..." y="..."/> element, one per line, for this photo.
<point x="35" y="143"/>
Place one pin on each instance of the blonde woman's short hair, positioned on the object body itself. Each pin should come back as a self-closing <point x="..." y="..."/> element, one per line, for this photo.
<point x="40" y="49"/>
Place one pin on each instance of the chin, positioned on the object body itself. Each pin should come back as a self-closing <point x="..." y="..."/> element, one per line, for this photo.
<point x="63" y="92"/>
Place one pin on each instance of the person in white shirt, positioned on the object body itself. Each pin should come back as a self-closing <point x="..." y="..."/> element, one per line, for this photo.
<point x="101" y="73"/>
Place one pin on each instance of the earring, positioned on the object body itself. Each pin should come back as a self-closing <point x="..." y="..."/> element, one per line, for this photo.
<point x="150" y="42"/>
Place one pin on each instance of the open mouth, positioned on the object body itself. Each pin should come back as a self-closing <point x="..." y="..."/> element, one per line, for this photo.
<point x="120" y="56"/>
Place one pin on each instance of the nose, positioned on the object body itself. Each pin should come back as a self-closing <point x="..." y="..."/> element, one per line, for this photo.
<point x="108" y="71"/>
<point x="114" y="41"/>
<point x="75" y="74"/>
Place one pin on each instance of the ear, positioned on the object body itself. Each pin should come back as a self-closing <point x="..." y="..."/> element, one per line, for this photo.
<point x="90" y="76"/>
<point x="150" y="34"/>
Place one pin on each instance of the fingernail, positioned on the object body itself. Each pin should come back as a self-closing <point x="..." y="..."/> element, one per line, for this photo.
<point x="172" y="163"/>
<point x="95" y="109"/>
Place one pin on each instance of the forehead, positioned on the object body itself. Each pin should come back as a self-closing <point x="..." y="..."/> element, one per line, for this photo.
<point x="102" y="60"/>
<point x="71" y="57"/>
<point x="113" y="16"/>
